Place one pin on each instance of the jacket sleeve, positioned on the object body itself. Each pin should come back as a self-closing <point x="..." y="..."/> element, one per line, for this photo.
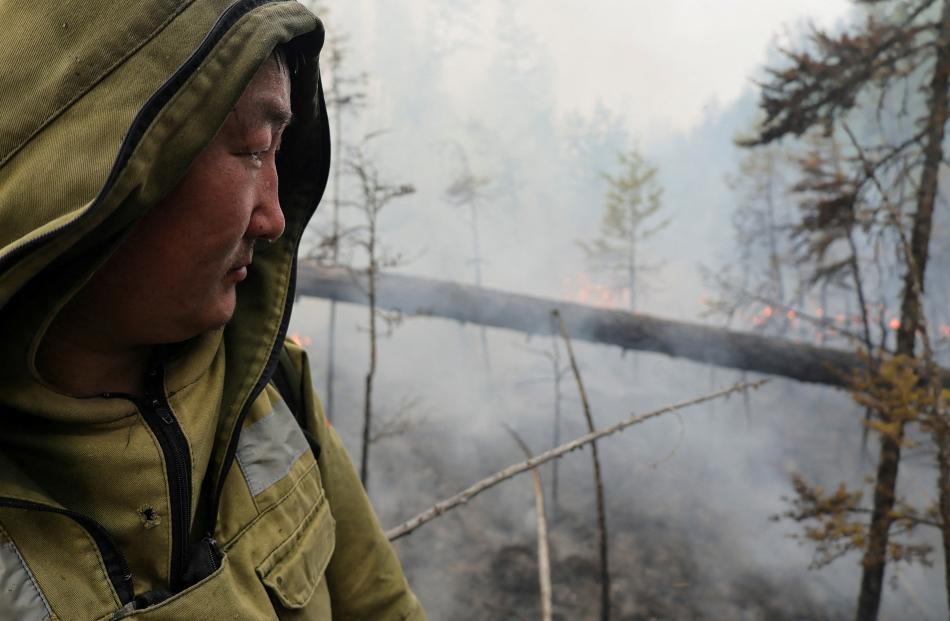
<point x="364" y="576"/>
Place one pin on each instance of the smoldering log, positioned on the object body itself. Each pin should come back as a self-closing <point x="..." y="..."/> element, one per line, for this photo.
<point x="414" y="296"/>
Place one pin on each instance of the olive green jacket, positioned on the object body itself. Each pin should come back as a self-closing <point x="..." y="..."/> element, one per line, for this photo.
<point x="214" y="496"/>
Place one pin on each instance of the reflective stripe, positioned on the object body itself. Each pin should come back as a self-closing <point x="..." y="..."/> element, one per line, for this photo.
<point x="20" y="597"/>
<point x="268" y="449"/>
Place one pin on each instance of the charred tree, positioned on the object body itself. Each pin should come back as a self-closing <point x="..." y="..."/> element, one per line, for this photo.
<point x="424" y="297"/>
<point x="821" y="89"/>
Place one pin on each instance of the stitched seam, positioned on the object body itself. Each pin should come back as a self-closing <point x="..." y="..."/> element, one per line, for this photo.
<point x="295" y="537"/>
<point x="188" y="385"/>
<point x="164" y="469"/>
<point x="226" y="546"/>
<point x="104" y="574"/>
<point x="29" y="573"/>
<point x="102" y="566"/>
<point x="247" y="479"/>
<point x="92" y="84"/>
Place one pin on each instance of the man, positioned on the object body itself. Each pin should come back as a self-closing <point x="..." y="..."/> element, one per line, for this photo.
<point x="150" y="467"/>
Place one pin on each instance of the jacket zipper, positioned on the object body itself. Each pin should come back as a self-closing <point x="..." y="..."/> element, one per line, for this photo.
<point x="169" y="434"/>
<point x="269" y="368"/>
<point x="117" y="567"/>
<point x="158" y="415"/>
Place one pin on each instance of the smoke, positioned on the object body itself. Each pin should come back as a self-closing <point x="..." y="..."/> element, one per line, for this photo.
<point x="689" y="496"/>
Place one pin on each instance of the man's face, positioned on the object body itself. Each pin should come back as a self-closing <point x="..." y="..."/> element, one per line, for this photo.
<point x="175" y="276"/>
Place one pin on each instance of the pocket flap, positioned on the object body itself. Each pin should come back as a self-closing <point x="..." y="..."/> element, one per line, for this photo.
<point x="295" y="568"/>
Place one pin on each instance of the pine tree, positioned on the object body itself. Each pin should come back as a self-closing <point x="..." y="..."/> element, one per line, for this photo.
<point x="631" y="216"/>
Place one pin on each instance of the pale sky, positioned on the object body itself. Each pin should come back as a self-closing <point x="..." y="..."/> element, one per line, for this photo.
<point x="659" y="62"/>
<point x="679" y="54"/>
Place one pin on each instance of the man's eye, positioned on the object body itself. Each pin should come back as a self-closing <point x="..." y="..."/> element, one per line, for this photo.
<point x="257" y="157"/>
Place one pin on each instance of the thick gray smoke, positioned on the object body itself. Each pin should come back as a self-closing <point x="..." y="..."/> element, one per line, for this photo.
<point x="689" y="496"/>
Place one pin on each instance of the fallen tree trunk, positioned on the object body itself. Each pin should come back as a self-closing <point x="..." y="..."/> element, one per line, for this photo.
<point x="415" y="296"/>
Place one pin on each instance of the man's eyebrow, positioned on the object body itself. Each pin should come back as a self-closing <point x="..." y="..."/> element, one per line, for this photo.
<point x="275" y="115"/>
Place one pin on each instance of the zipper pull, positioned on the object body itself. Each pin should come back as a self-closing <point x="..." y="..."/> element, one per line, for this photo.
<point x="214" y="552"/>
<point x="163" y="412"/>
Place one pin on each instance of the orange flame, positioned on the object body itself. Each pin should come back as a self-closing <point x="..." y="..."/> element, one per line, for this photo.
<point x="300" y="341"/>
<point x="583" y="290"/>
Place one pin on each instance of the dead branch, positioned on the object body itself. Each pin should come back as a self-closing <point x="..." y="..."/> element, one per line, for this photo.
<point x="544" y="556"/>
<point x="415" y="296"/>
<point x="598" y="477"/>
<point x="477" y="488"/>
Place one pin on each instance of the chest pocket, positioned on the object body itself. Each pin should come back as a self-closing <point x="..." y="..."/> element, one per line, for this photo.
<point x="295" y="530"/>
<point x="294" y="570"/>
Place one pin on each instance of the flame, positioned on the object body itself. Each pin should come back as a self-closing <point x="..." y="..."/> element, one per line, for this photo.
<point x="894" y="324"/>
<point x="583" y="290"/>
<point x="301" y="340"/>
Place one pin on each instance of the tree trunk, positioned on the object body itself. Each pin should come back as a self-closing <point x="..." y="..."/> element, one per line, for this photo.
<point x="556" y="365"/>
<point x="943" y="503"/>
<point x="875" y="558"/>
<point x="603" y="546"/>
<point x="544" y="555"/>
<point x="337" y="99"/>
<point x="371" y="372"/>
<point x="413" y="296"/>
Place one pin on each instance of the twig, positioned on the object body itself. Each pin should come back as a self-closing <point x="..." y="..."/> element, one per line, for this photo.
<point x="598" y="477"/>
<point x="515" y="469"/>
<point x="544" y="556"/>
<point x="819" y="322"/>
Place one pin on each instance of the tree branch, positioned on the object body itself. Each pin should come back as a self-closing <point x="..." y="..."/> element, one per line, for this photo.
<point x="464" y="496"/>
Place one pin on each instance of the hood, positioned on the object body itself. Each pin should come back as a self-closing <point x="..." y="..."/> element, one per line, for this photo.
<point x="105" y="106"/>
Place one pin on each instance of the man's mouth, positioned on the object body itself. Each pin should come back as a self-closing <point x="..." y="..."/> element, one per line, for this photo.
<point x="238" y="271"/>
<point x="241" y="263"/>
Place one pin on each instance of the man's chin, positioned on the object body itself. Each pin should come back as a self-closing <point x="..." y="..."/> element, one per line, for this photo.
<point x="215" y="316"/>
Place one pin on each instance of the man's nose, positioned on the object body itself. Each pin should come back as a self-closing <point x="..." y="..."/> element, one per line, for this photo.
<point x="267" y="220"/>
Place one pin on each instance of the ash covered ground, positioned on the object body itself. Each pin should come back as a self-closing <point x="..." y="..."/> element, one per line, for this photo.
<point x="690" y="496"/>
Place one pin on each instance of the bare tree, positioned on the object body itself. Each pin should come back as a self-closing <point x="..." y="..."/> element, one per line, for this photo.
<point x="375" y="194"/>
<point x="346" y="95"/>
<point x="468" y="190"/>
<point x="544" y="556"/>
<point x="603" y="544"/>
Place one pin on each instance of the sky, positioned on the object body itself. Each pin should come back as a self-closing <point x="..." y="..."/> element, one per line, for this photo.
<point x="661" y="63"/>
